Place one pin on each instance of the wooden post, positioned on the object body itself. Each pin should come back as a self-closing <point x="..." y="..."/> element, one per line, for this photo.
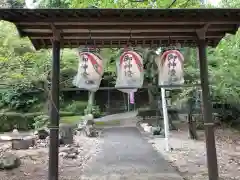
<point x="54" y="113"/>
<point x="207" y="110"/>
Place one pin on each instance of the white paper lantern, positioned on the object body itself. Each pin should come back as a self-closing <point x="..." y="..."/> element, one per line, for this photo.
<point x="170" y="68"/>
<point x="90" y="71"/>
<point x="130" y="72"/>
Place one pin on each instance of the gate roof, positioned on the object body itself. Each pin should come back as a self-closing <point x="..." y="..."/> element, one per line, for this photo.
<point x="119" y="27"/>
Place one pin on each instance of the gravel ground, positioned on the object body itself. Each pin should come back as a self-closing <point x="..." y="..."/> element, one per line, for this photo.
<point x="119" y="153"/>
<point x="34" y="164"/>
<point x="189" y="156"/>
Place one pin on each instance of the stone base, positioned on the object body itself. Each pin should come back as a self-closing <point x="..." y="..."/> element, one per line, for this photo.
<point x="24" y="143"/>
<point x="9" y="161"/>
<point x="66" y="132"/>
<point x="90" y="131"/>
<point x="42" y="134"/>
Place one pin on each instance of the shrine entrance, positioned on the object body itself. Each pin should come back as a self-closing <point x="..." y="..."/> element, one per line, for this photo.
<point x="71" y="28"/>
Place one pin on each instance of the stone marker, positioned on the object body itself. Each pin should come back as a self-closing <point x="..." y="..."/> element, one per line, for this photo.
<point x="9" y="161"/>
<point x="90" y="129"/>
<point x="23" y="142"/>
<point x="42" y="133"/>
<point x="66" y="133"/>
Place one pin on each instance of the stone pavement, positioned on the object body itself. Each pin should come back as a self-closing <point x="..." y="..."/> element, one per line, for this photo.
<point x="126" y="155"/>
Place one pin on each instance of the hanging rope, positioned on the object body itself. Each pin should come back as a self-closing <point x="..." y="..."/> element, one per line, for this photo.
<point x="49" y="90"/>
<point x="92" y="48"/>
<point x="128" y="45"/>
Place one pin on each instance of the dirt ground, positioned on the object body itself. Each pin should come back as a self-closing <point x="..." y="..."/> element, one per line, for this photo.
<point x="189" y="156"/>
<point x="34" y="162"/>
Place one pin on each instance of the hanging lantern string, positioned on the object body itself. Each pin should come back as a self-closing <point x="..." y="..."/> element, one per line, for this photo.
<point x="128" y="42"/>
<point x="92" y="46"/>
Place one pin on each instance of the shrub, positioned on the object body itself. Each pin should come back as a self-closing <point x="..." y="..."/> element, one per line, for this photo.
<point x="76" y="107"/>
<point x="38" y="107"/>
<point x="65" y="113"/>
<point x="94" y="110"/>
<point x="29" y="118"/>
<point x="15" y="97"/>
<point x="41" y="121"/>
<point x="10" y="120"/>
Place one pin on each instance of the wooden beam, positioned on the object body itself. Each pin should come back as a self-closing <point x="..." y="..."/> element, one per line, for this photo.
<point x="133" y="26"/>
<point x="122" y="44"/>
<point x="125" y="22"/>
<point x="116" y="38"/>
<point x="126" y="35"/>
<point x="123" y="30"/>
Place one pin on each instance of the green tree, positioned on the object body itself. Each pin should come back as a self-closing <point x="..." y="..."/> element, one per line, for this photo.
<point x="132" y="4"/>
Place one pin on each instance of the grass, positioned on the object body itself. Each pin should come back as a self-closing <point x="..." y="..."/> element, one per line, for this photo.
<point x="71" y="119"/>
<point x="112" y="122"/>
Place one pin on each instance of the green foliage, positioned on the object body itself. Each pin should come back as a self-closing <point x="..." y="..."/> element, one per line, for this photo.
<point x="71" y="119"/>
<point x="76" y="107"/>
<point x="22" y="69"/>
<point x="16" y="3"/>
<point x="26" y="121"/>
<point x="15" y="99"/>
<point x="131" y="4"/>
<point x="230" y="3"/>
<point x="41" y="121"/>
<point x="55" y="3"/>
<point x="10" y="120"/>
<point x="109" y="123"/>
<point x="66" y="77"/>
<point x="66" y="113"/>
<point x="94" y="110"/>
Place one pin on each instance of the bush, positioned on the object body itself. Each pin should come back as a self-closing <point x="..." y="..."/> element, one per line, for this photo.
<point x="41" y="121"/>
<point x="39" y="107"/>
<point x="76" y="107"/>
<point x="16" y="97"/>
<point x="10" y="120"/>
<point x="65" y="113"/>
<point x="94" y="110"/>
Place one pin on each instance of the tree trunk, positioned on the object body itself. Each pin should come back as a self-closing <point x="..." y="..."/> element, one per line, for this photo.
<point x="192" y="126"/>
<point x="124" y="101"/>
<point x="171" y="117"/>
<point x="150" y="95"/>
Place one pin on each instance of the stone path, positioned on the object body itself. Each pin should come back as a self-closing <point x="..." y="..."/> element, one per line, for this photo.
<point x="126" y="155"/>
<point x="118" y="116"/>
